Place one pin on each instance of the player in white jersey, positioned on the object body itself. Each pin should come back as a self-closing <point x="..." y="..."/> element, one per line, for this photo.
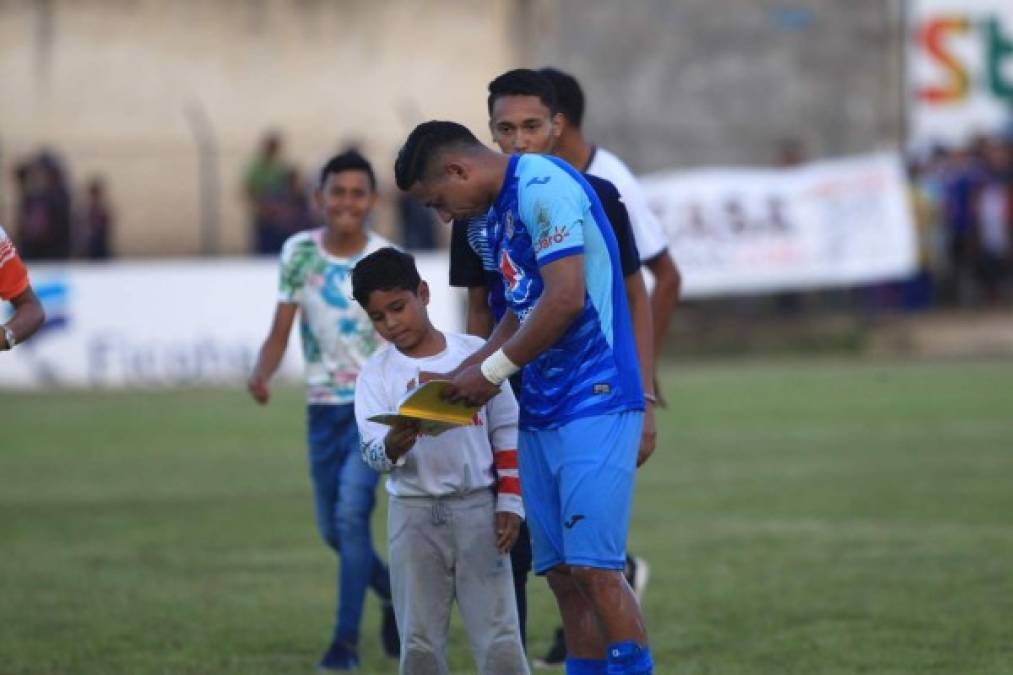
<point x="455" y="502"/>
<point x="337" y="338"/>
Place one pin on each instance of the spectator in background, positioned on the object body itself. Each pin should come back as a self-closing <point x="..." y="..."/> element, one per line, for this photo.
<point x="994" y="219"/>
<point x="962" y="177"/>
<point x="44" y="209"/>
<point x="294" y="212"/>
<point x="790" y="152"/>
<point x="95" y="222"/>
<point x="266" y="183"/>
<point x="917" y="291"/>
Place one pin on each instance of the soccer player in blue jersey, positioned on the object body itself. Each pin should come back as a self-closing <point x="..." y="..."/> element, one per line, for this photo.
<point x="525" y="116"/>
<point x="567" y="324"/>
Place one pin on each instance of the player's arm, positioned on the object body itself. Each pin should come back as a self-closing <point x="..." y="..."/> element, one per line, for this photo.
<point x="560" y="304"/>
<point x="637" y="301"/>
<point x="272" y="351"/>
<point x="502" y="414"/>
<point x="640" y="317"/>
<point x="479" y="319"/>
<point x="502" y="332"/>
<point x="559" y="202"/>
<point x="651" y="240"/>
<point x="466" y="272"/>
<point x="656" y="257"/>
<point x="28" y="317"/>
<point x="667" y="287"/>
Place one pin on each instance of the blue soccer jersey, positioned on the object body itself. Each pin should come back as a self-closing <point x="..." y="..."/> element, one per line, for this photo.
<point x="546" y="211"/>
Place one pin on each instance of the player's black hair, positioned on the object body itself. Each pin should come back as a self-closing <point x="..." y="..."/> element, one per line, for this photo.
<point x="423" y="144"/>
<point x="350" y="160"/>
<point x="385" y="269"/>
<point x="523" y="82"/>
<point x="569" y="95"/>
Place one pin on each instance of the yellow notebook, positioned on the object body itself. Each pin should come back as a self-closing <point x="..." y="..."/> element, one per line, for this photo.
<point x="425" y="403"/>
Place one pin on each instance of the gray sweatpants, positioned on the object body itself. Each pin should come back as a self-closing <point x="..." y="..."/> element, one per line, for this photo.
<point x="442" y="549"/>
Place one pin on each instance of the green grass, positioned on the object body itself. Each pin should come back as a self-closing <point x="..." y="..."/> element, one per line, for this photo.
<point x="799" y="517"/>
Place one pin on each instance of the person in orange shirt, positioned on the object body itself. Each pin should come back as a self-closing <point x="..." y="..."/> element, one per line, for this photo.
<point x="15" y="288"/>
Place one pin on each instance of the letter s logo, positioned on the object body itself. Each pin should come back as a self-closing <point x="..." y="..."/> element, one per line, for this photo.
<point x="931" y="37"/>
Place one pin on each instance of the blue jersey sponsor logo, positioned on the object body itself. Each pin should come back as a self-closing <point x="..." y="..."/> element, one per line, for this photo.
<point x="557" y="235"/>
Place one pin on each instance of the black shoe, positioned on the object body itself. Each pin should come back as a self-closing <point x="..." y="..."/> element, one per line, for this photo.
<point x="339" y="656"/>
<point x="556" y="655"/>
<point x="389" y="637"/>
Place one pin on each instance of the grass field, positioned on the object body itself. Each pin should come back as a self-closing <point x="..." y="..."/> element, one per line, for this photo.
<point x="799" y="517"/>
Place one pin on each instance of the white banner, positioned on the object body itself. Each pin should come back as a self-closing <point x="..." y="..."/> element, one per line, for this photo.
<point x="177" y="322"/>
<point x="960" y="69"/>
<point x="742" y="231"/>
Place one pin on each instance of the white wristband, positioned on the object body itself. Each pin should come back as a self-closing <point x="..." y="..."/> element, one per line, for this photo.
<point x="498" y="367"/>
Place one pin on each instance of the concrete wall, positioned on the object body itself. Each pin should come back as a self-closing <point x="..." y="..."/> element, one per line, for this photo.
<point x="693" y="82"/>
<point x="122" y="87"/>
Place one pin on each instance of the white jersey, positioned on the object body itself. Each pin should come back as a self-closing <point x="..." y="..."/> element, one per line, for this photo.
<point x="647" y="230"/>
<point x="457" y="462"/>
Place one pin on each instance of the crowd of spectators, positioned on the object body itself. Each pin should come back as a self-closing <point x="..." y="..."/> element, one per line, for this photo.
<point x="962" y="198"/>
<point x="280" y="204"/>
<point x="51" y="222"/>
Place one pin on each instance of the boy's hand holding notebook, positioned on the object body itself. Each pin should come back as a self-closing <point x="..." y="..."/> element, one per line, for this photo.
<point x="427" y="405"/>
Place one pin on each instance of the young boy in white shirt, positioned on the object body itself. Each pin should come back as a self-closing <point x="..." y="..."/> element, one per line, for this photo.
<point x="455" y="505"/>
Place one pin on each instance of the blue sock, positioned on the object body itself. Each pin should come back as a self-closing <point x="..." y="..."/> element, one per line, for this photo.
<point x="585" y="666"/>
<point x="629" y="658"/>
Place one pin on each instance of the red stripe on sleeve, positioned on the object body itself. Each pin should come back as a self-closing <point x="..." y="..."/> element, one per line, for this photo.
<point x="13" y="276"/>
<point x="506" y="459"/>
<point x="510" y="485"/>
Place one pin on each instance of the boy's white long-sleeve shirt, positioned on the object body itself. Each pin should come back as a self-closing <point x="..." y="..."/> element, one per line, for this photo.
<point x="457" y="461"/>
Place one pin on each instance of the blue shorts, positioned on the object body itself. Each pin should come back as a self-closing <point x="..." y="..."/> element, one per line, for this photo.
<point x="577" y="483"/>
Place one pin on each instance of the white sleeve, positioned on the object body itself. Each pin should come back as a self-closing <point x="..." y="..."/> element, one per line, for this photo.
<point x="647" y="231"/>
<point x="369" y="401"/>
<point x="501" y="413"/>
